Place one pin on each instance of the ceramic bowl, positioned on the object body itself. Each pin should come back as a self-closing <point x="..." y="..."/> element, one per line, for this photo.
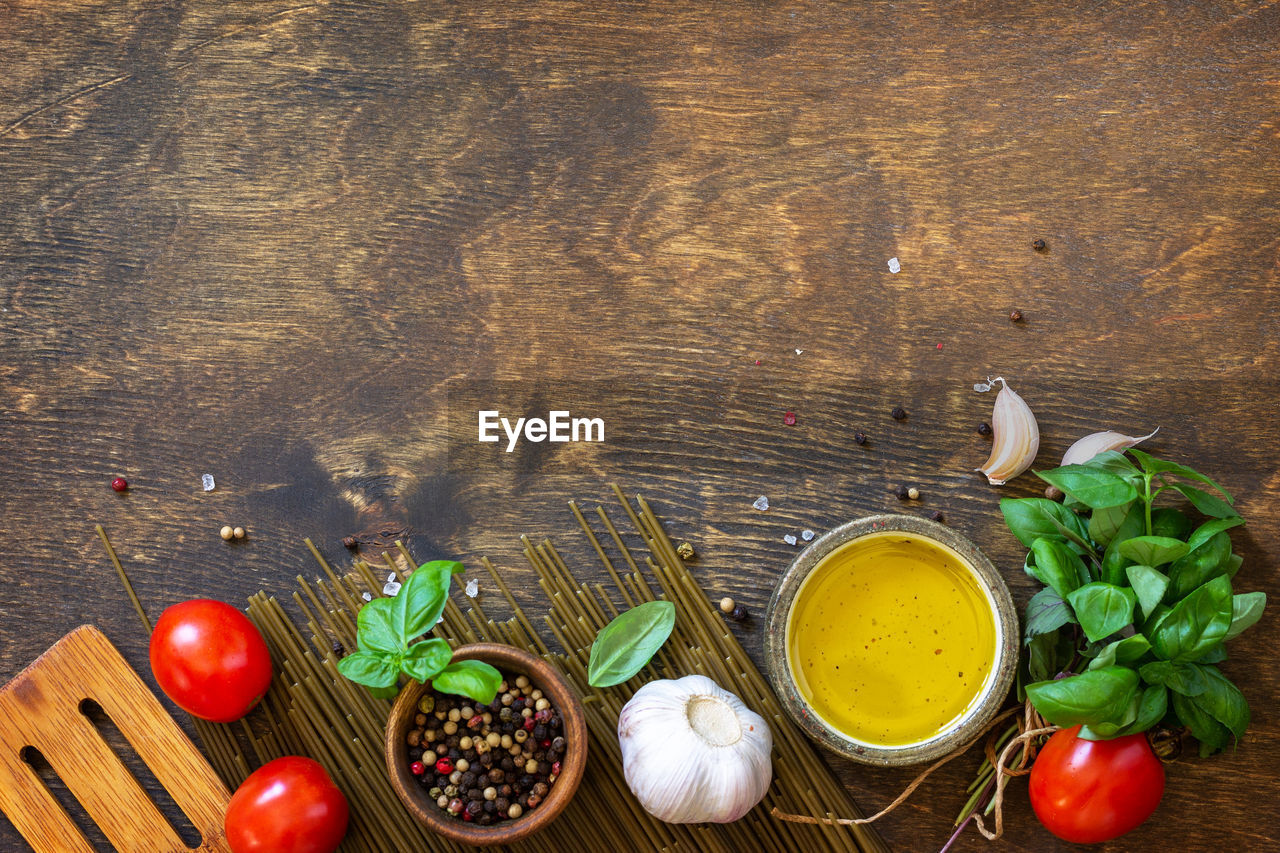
<point x="563" y="698"/>
<point x="977" y="713"/>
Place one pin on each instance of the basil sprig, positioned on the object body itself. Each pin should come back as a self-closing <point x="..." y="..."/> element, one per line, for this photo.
<point x="626" y="644"/>
<point x="1138" y="600"/>
<point x="386" y="631"/>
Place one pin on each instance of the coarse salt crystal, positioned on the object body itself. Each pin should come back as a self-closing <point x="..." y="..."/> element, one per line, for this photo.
<point x="391" y="578"/>
<point x="789" y="539"/>
<point x="761" y="503"/>
<point x="799" y="351"/>
<point x="206" y="480"/>
<point x="367" y="596"/>
<point x="473" y="588"/>
<point x="894" y="266"/>
<point x="391" y="588"/>
<point x="806" y="535"/>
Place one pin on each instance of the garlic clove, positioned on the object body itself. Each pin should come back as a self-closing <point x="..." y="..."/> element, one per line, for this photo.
<point x="1094" y="443"/>
<point x="1015" y="434"/>
<point x="692" y="752"/>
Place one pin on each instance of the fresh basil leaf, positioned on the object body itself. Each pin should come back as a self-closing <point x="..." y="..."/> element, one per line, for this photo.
<point x="1212" y="528"/>
<point x="1152" y="707"/>
<point x="1149" y="585"/>
<point x="1032" y="518"/>
<point x="427" y="658"/>
<point x="376" y="629"/>
<point x="1197" y="567"/>
<point x="1160" y="466"/>
<point x="471" y="678"/>
<point x="1043" y="661"/>
<point x="1046" y="611"/>
<point x="1212" y="734"/>
<point x="1185" y="678"/>
<point x="1170" y="523"/>
<point x="422" y="598"/>
<point x="1153" y="550"/>
<point x="1057" y="566"/>
<point x="1127" y="650"/>
<point x="1093" y="487"/>
<point x="626" y="644"/>
<point x="1108" y="729"/>
<point x="1217" y="654"/>
<point x="1116" y="463"/>
<point x="369" y="669"/>
<point x="1246" y="609"/>
<point x="1194" y="625"/>
<point x="1097" y="696"/>
<point x="1211" y="505"/>
<point x="1102" y="608"/>
<point x="1234" y="562"/>
<point x="1105" y="523"/>
<point x="1223" y="701"/>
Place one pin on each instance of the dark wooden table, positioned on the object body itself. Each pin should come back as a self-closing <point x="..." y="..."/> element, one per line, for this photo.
<point x="300" y="245"/>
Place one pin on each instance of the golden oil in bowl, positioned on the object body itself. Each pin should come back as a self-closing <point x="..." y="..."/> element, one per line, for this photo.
<point x="890" y="638"/>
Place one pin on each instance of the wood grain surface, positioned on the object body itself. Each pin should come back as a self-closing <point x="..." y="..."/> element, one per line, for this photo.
<point x="300" y="245"/>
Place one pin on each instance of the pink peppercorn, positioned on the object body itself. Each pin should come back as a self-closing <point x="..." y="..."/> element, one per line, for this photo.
<point x="417" y="768"/>
<point x="119" y="484"/>
<point x="475" y="722"/>
<point x="555" y="769"/>
<point x="789" y="419"/>
<point x="529" y="724"/>
<point x="546" y="744"/>
<point x="444" y="766"/>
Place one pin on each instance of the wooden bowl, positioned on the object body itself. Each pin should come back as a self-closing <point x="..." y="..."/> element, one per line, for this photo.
<point x="563" y="698"/>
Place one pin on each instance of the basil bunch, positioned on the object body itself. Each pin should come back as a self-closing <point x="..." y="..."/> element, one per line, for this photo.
<point x="1137" y="603"/>
<point x="386" y="630"/>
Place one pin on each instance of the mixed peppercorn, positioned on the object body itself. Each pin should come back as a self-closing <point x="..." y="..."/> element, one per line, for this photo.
<point x="487" y="763"/>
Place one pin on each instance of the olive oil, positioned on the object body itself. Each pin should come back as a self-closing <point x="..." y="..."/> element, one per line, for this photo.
<point x="891" y="639"/>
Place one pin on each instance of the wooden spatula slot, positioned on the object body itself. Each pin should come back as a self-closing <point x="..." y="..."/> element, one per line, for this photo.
<point x="41" y="709"/>
<point x="58" y="790"/>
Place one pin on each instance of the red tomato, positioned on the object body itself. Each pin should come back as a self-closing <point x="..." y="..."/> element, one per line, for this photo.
<point x="1088" y="791"/>
<point x="289" y="805"/>
<point x="210" y="659"/>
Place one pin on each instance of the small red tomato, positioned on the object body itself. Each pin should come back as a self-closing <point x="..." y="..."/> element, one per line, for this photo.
<point x="210" y="659"/>
<point x="1086" y="791"/>
<point x="289" y="805"/>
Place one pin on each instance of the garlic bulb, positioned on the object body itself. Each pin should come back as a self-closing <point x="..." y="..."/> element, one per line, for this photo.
<point x="1094" y="443"/>
<point x="1016" y="436"/>
<point x="693" y="752"/>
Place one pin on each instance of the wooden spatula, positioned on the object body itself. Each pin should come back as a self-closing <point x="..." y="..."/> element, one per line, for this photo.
<point x="41" y="708"/>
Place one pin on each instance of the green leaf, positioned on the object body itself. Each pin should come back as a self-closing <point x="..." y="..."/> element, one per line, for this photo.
<point x="1093" y="487"/>
<point x="1194" y="625"/>
<point x="1152" y="465"/>
<point x="422" y="598"/>
<point x="1223" y="701"/>
<point x="1102" y="608"/>
<point x="376" y="627"/>
<point x="1149" y="585"/>
<point x="1116" y="463"/>
<point x="1217" y="654"/>
<point x="1046" y="611"/>
<point x="1108" y="729"/>
<point x="1097" y="696"/>
<point x="1205" y="562"/>
<point x="1105" y="523"/>
<point x="1032" y="518"/>
<point x="369" y="669"/>
<point x="1170" y="523"/>
<point x="626" y="644"/>
<point x="1246" y="609"/>
<point x="1212" y="734"/>
<point x="1212" y="528"/>
<point x="1046" y="654"/>
<point x="1211" y="505"/>
<point x="1127" y="650"/>
<point x="1152" y="707"/>
<point x="1185" y="678"/>
<point x="427" y="658"/>
<point x="1234" y="562"/>
<point x="471" y="678"/>
<point x="1152" y="550"/>
<point x="1057" y="566"/>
